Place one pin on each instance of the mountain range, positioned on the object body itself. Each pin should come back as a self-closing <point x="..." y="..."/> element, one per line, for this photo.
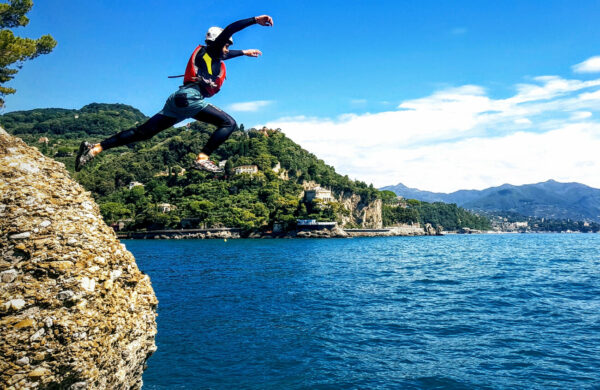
<point x="549" y="199"/>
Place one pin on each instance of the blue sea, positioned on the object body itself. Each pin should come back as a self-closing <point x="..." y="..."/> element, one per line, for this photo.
<point x="453" y="312"/>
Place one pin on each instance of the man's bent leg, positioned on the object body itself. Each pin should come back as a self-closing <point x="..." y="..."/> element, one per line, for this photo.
<point x="225" y="126"/>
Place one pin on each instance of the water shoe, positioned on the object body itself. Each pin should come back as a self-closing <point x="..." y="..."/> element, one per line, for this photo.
<point x="84" y="155"/>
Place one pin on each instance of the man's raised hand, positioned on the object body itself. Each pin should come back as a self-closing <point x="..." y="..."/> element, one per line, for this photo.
<point x="252" y="52"/>
<point x="264" y="20"/>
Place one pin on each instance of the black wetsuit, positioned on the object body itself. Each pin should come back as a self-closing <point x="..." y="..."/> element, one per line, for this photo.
<point x="210" y="114"/>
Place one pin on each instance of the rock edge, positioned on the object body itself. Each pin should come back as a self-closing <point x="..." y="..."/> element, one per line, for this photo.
<point x="75" y="310"/>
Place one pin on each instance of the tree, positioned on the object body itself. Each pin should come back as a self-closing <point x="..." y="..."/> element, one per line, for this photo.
<point x="229" y="170"/>
<point x="113" y="211"/>
<point x="16" y="50"/>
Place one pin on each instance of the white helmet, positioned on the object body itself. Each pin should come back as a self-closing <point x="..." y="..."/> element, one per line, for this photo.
<point x="213" y="33"/>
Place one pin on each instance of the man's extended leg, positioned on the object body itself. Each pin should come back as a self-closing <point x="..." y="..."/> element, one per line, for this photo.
<point x="225" y="126"/>
<point x="145" y="131"/>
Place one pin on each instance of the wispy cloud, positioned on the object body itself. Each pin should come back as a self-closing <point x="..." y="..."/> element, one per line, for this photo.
<point x="522" y="121"/>
<point x="249" y="106"/>
<point x="579" y="115"/>
<point x="463" y="138"/>
<point x="591" y="65"/>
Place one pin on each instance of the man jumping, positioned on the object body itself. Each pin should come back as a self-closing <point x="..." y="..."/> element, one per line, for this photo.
<point x="204" y="76"/>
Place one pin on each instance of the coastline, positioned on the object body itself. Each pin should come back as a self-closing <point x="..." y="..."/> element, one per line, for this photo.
<point x="236" y="233"/>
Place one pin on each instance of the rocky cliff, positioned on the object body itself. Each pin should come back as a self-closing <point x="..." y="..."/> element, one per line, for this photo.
<point x="75" y="311"/>
<point x="363" y="214"/>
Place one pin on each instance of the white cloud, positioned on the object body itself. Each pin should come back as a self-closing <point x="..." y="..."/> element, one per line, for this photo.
<point x="461" y="137"/>
<point x="579" y="115"/>
<point x="566" y="154"/>
<point x="591" y="65"/>
<point x="249" y="106"/>
<point x="522" y="121"/>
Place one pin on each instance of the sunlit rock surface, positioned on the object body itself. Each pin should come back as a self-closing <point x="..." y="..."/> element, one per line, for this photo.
<point x="75" y="311"/>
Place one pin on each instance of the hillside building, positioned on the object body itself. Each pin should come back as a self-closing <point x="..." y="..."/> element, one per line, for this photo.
<point x="165" y="207"/>
<point x="250" y="169"/>
<point x="135" y="184"/>
<point x="319" y="193"/>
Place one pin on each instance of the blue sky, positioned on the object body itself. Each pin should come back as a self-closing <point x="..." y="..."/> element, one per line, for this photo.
<point x="439" y="95"/>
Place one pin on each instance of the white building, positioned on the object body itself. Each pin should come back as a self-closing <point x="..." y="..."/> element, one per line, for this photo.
<point x="251" y="169"/>
<point x="165" y="207"/>
<point x="135" y="184"/>
<point x="319" y="193"/>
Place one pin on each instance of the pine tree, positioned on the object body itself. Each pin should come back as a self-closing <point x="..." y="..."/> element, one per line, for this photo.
<point x="16" y="50"/>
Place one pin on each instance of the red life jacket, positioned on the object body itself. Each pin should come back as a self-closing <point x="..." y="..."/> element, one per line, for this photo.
<point x="209" y="83"/>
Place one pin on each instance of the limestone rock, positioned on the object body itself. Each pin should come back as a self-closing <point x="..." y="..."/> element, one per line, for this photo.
<point x="336" y="232"/>
<point x="430" y="230"/>
<point x="8" y="276"/>
<point x="75" y="310"/>
<point x="14" y="304"/>
<point x="363" y="214"/>
<point x="23" y="361"/>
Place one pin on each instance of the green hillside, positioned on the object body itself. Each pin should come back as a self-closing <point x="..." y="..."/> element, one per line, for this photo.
<point x="172" y="197"/>
<point x="93" y="119"/>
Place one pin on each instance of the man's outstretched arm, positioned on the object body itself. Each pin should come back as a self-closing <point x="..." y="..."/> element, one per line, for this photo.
<point x="247" y="52"/>
<point x="227" y="33"/>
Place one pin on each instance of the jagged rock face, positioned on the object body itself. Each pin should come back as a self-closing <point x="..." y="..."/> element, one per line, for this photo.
<point x="362" y="214"/>
<point x="75" y="311"/>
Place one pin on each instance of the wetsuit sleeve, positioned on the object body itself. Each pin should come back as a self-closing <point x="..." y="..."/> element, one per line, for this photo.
<point x="214" y="50"/>
<point x="233" y="54"/>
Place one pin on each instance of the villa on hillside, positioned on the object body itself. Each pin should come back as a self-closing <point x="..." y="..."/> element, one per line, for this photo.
<point x="319" y="193"/>
<point x="250" y="169"/>
<point x="135" y="184"/>
<point x="165" y="207"/>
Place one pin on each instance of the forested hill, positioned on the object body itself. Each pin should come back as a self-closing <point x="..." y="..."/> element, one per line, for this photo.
<point x="94" y="119"/>
<point x="147" y="185"/>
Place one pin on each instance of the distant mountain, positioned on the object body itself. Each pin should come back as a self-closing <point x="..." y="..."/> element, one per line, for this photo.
<point x="549" y="199"/>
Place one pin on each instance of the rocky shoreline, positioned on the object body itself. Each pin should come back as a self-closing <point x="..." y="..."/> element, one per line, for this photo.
<point x="336" y="232"/>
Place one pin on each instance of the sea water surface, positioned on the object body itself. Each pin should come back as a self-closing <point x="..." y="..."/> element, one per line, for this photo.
<point x="453" y="312"/>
